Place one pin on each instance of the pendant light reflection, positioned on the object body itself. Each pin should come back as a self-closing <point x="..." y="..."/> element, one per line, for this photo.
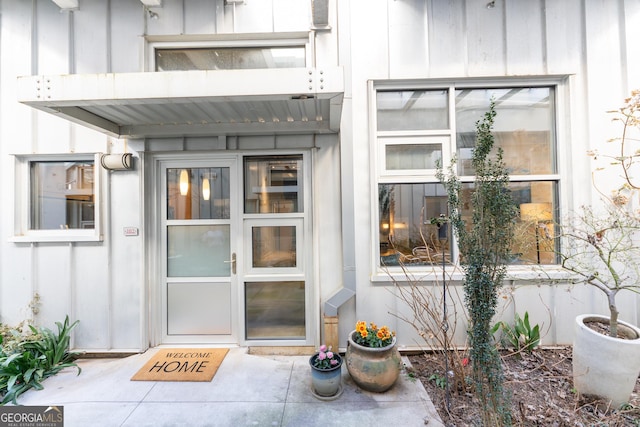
<point x="206" y="189"/>
<point x="184" y="182"/>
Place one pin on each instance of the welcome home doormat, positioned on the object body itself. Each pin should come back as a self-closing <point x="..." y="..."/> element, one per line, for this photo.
<point x="182" y="364"/>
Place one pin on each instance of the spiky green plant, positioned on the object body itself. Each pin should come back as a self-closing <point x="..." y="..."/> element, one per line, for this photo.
<point x="32" y="358"/>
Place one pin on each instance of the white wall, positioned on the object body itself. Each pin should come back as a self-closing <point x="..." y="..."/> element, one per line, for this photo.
<point x="592" y="42"/>
<point x="103" y="284"/>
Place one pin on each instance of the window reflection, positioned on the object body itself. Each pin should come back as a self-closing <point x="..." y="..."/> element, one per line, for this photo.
<point x="198" y="193"/>
<point x="62" y="195"/>
<point x="412" y="110"/>
<point x="230" y="58"/>
<point x="408" y="229"/>
<point x="523" y="128"/>
<point x="273" y="184"/>
<point x="274" y="246"/>
<point x="275" y="310"/>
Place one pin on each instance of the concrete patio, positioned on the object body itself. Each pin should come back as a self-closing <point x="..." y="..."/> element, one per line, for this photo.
<point x="247" y="390"/>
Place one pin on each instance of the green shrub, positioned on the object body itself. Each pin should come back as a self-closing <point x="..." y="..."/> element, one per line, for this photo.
<point x="484" y="241"/>
<point x="27" y="359"/>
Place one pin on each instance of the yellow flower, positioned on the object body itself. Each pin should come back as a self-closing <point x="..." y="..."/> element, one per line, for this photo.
<point x="384" y="333"/>
<point x="361" y="327"/>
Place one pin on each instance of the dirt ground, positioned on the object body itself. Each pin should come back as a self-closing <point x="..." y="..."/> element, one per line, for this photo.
<point x="541" y="389"/>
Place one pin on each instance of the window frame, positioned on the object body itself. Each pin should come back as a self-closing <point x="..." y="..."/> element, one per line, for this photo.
<point x="240" y="40"/>
<point x="380" y="175"/>
<point x="22" y="206"/>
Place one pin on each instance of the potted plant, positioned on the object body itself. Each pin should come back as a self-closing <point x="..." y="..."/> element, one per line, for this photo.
<point x="373" y="360"/>
<point x="326" y="374"/>
<point x="602" y="250"/>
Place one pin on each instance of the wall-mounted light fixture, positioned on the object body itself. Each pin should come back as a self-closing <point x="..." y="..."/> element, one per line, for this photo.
<point x="184" y="182"/>
<point x="117" y="162"/>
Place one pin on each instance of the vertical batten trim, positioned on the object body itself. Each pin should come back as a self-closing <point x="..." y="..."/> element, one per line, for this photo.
<point x="505" y="54"/>
<point x="34" y="285"/>
<point x="34" y="37"/>
<point x="72" y="43"/>
<point x="624" y="59"/>
<point x="105" y="205"/>
<point x="184" y="19"/>
<point x="465" y="38"/>
<point x="34" y="71"/>
<point x="108" y="38"/>
<point x="72" y="292"/>
<point x="543" y="33"/>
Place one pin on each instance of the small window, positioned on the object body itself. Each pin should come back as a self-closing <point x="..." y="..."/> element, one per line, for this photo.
<point x="230" y="58"/>
<point x="57" y="199"/>
<point x="273" y="185"/>
<point x="62" y="195"/>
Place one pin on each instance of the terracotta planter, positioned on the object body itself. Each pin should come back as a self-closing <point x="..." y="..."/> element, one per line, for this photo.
<point x="602" y="365"/>
<point x="373" y="369"/>
<point x="326" y="384"/>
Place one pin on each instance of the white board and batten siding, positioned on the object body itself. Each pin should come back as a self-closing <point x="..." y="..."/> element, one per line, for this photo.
<point x="592" y="42"/>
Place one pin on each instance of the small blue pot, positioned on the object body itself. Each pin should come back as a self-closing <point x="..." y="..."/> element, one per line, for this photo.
<point x="326" y="382"/>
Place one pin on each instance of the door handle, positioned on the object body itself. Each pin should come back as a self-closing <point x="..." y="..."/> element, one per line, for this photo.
<point x="232" y="262"/>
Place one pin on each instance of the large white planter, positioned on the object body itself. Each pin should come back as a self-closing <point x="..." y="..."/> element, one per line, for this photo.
<point x="604" y="366"/>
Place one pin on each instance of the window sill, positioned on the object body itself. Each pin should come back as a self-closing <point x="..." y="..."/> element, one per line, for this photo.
<point x="539" y="274"/>
<point x="63" y="237"/>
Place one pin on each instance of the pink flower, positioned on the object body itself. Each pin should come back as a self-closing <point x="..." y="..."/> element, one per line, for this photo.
<point x="330" y="355"/>
<point x="334" y="362"/>
<point x="323" y="348"/>
<point x="322" y="355"/>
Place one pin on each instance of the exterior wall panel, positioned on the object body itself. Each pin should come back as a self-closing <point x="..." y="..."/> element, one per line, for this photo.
<point x="524" y="37"/>
<point x="447" y="39"/>
<point x="486" y="39"/>
<point x="126" y="27"/>
<point x="92" y="299"/>
<point x="408" y="38"/>
<point x="103" y="284"/>
<point x="85" y="57"/>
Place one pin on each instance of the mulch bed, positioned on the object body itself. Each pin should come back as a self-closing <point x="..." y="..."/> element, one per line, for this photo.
<point x="541" y="387"/>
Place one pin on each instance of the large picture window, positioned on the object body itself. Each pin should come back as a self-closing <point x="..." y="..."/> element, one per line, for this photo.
<point x="417" y="130"/>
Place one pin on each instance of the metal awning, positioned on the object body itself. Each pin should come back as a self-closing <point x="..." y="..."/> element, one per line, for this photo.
<point x="193" y="103"/>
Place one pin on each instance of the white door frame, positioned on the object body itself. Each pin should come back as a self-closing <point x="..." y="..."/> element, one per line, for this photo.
<point x="153" y="240"/>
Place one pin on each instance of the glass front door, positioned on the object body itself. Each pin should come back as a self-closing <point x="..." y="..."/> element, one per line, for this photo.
<point x="199" y="293"/>
<point x="236" y="262"/>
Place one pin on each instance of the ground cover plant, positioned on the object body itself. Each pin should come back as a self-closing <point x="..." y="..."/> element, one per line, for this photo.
<point x="30" y="354"/>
